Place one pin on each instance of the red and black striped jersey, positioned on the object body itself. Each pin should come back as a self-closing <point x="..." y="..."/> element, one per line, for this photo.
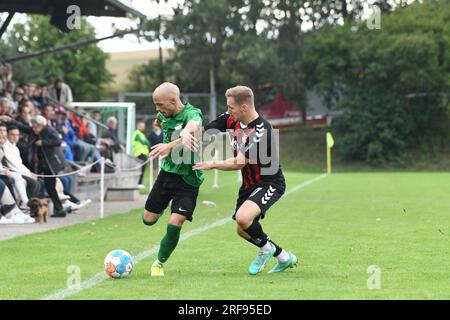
<point x="257" y="142"/>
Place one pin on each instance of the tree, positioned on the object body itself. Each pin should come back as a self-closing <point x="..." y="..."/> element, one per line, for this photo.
<point x="249" y="42"/>
<point x="84" y="69"/>
<point x="147" y="76"/>
<point x="392" y="84"/>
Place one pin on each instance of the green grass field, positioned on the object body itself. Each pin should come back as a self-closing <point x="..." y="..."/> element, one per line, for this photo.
<point x="338" y="227"/>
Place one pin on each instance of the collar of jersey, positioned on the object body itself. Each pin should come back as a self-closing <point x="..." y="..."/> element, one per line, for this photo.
<point x="178" y="115"/>
<point x="254" y="122"/>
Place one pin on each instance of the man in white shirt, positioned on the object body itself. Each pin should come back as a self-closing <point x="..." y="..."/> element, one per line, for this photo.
<point x="14" y="162"/>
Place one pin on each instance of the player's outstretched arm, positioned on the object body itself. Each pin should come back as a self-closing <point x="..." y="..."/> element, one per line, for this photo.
<point x="231" y="164"/>
<point x="187" y="136"/>
<point x="162" y="150"/>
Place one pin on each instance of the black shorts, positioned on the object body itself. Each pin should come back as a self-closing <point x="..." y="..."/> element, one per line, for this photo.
<point x="170" y="186"/>
<point x="263" y="194"/>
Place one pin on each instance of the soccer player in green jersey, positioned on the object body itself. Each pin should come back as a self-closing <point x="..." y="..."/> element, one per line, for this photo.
<point x="177" y="182"/>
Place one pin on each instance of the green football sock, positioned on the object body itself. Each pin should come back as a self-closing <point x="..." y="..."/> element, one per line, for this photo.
<point x="169" y="242"/>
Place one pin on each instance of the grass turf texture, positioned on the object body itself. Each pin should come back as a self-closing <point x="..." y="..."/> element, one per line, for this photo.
<point x="338" y="227"/>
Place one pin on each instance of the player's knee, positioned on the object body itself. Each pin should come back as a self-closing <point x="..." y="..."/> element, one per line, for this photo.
<point x="177" y="220"/>
<point x="150" y="218"/>
<point x="243" y="221"/>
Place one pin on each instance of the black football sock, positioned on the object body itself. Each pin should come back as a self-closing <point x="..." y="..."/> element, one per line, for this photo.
<point x="258" y="237"/>
<point x="252" y="242"/>
<point x="277" y="248"/>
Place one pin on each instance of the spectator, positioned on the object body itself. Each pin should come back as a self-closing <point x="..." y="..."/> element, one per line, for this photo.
<point x="19" y="95"/>
<point x="26" y="90"/>
<point x="141" y="148"/>
<point x="23" y="122"/>
<point x="9" y="211"/>
<point x="92" y="126"/>
<point x="111" y="139"/>
<point x="112" y="134"/>
<point x="155" y="137"/>
<point x="36" y="97"/>
<point x="69" y="201"/>
<point x="1" y="87"/>
<point x="75" y="120"/>
<point x="61" y="92"/>
<point x="4" y="175"/>
<point x="10" y="86"/>
<point x="63" y="126"/>
<point x="5" y="109"/>
<point x="81" y="151"/>
<point x="83" y="128"/>
<point x="20" y="185"/>
<point x="14" y="162"/>
<point x="47" y="157"/>
<point x="49" y="114"/>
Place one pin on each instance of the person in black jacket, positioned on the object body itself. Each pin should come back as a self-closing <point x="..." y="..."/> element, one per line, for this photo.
<point x="47" y="158"/>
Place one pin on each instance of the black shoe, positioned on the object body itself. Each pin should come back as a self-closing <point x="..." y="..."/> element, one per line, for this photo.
<point x="59" y="214"/>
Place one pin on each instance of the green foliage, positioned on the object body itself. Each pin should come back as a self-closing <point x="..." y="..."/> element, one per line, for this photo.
<point x="84" y="69"/>
<point x="250" y="42"/>
<point x="391" y="83"/>
<point x="145" y="76"/>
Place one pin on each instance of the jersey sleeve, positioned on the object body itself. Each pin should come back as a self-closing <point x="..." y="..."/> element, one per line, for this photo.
<point x="221" y="123"/>
<point x="195" y="115"/>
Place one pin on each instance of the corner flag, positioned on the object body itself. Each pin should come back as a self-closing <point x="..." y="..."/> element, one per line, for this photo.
<point x="330" y="144"/>
<point x="330" y="140"/>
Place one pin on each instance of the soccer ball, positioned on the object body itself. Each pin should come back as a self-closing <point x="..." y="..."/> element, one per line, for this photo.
<point x="118" y="264"/>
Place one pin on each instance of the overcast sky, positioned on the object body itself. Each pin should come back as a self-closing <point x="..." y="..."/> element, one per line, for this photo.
<point x="104" y="25"/>
<point x="130" y="42"/>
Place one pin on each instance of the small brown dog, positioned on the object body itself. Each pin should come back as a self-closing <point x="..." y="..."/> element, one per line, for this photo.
<point x="38" y="209"/>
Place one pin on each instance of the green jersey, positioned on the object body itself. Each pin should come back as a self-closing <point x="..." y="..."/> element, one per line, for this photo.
<point x="183" y="163"/>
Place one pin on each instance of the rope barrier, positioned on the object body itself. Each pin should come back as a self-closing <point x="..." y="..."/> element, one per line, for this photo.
<point x="59" y="175"/>
<point x="136" y="168"/>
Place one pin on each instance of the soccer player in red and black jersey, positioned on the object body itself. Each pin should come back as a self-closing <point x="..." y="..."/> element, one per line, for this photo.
<point x="263" y="183"/>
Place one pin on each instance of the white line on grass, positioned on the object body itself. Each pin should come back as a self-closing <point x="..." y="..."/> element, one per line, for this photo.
<point x="101" y="276"/>
<point x="305" y="184"/>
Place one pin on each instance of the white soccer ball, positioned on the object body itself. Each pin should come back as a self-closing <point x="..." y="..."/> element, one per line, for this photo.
<point x="118" y="264"/>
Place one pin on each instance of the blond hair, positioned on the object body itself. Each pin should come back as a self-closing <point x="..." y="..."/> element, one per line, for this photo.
<point x="241" y="95"/>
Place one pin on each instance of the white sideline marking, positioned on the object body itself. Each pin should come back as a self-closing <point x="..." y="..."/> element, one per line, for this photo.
<point x="305" y="184"/>
<point x="101" y="276"/>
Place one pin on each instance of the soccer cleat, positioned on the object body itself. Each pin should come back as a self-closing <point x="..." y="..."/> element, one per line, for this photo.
<point x="157" y="269"/>
<point x="280" y="267"/>
<point x="261" y="261"/>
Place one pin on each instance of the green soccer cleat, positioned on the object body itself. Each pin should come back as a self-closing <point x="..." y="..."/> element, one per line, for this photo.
<point x="157" y="269"/>
<point x="291" y="263"/>
<point x="261" y="261"/>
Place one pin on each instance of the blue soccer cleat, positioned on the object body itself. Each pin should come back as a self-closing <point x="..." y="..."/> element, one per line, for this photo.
<point x="291" y="263"/>
<point x="261" y="261"/>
